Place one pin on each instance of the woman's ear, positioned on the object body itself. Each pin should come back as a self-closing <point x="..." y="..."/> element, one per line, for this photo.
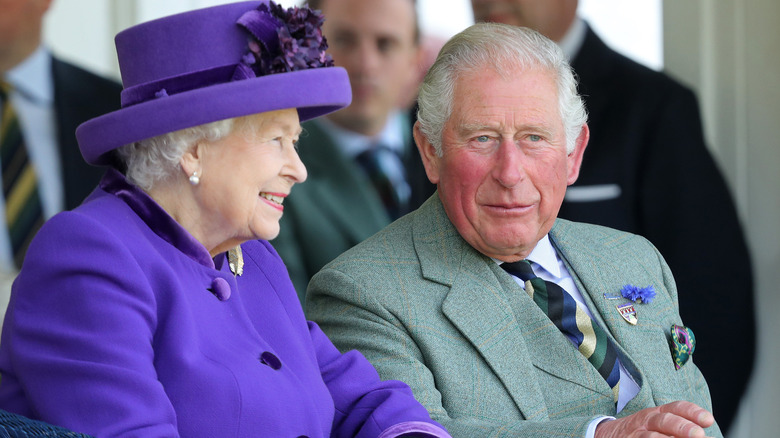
<point x="191" y="161"/>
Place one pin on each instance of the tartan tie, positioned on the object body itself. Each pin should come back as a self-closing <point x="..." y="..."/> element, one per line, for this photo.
<point x="23" y="209"/>
<point x="572" y="320"/>
<point x="386" y="172"/>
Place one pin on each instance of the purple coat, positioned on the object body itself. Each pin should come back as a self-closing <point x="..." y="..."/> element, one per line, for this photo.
<point x="121" y="324"/>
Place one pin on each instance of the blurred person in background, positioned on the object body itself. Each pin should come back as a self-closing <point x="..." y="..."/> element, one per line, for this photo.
<point x="364" y="170"/>
<point x="43" y="100"/>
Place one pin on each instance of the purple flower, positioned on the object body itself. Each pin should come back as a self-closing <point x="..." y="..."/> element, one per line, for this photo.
<point x="638" y="294"/>
<point x="283" y="40"/>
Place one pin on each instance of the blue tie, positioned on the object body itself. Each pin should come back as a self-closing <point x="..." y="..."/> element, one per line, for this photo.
<point x="572" y="320"/>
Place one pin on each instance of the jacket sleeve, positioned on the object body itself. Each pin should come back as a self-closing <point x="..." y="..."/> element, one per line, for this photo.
<point x="365" y="405"/>
<point x="353" y="319"/>
<point x="78" y="336"/>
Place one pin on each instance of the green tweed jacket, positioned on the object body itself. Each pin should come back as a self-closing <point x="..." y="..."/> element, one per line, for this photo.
<point x="426" y="308"/>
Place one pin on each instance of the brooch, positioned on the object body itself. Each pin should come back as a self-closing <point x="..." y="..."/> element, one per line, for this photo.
<point x="683" y="344"/>
<point x="636" y="294"/>
<point x="236" y="261"/>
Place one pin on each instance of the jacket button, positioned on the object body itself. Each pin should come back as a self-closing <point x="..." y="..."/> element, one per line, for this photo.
<point x="220" y="288"/>
<point x="270" y="359"/>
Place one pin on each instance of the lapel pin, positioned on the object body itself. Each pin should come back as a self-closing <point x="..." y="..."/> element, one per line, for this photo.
<point x="236" y="261"/>
<point x="628" y="312"/>
<point x="612" y="297"/>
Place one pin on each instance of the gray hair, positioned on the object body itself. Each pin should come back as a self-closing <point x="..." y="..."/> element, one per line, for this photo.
<point x="157" y="159"/>
<point x="506" y="49"/>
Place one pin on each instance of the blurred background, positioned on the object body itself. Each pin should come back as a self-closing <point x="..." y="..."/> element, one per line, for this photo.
<point x="726" y="50"/>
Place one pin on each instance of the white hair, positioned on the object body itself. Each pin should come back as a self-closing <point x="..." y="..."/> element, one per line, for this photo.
<point x="507" y="50"/>
<point x="157" y="159"/>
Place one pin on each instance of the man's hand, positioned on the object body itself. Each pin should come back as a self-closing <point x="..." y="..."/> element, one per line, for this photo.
<point x="676" y="419"/>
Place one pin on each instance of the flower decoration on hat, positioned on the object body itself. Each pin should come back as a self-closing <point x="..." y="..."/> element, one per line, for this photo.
<point x="282" y="40"/>
<point x="638" y="294"/>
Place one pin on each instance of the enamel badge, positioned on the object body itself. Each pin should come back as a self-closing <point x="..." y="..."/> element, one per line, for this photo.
<point x="628" y="313"/>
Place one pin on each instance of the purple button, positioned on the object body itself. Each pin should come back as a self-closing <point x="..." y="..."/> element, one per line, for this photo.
<point x="220" y="288"/>
<point x="270" y="359"/>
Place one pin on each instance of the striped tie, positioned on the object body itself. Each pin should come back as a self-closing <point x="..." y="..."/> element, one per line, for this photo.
<point x="572" y="320"/>
<point x="23" y="209"/>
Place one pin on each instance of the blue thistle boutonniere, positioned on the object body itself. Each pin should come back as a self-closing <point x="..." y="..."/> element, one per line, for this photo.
<point x="638" y="294"/>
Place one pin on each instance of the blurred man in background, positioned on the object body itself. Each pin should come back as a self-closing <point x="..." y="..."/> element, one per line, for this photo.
<point x="43" y="100"/>
<point x="364" y="170"/>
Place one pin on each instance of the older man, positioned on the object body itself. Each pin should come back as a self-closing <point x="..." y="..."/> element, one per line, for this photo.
<point x="639" y="119"/>
<point x="504" y="320"/>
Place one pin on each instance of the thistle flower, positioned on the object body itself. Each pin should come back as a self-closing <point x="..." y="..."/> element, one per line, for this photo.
<point x="638" y="294"/>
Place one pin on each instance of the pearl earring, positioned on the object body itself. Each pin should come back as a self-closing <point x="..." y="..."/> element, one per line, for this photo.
<point x="195" y="179"/>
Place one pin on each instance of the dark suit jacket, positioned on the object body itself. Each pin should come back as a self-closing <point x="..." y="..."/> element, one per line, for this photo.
<point x="337" y="207"/>
<point x="79" y="96"/>
<point x="646" y="139"/>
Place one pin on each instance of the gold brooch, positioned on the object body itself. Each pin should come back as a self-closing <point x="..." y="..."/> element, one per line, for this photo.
<point x="236" y="261"/>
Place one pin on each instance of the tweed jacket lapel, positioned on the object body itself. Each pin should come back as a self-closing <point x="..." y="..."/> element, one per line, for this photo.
<point x="340" y="191"/>
<point x="500" y="319"/>
<point x="476" y="305"/>
<point x="592" y="284"/>
<point x="549" y="350"/>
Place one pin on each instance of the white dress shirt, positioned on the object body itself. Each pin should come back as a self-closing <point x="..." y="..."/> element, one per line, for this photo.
<point x="353" y="144"/>
<point x="33" y="100"/>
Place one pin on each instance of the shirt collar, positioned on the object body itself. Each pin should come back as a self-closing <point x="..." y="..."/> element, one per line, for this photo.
<point x="543" y="255"/>
<point x="32" y="78"/>
<point x="571" y="43"/>
<point x="352" y="144"/>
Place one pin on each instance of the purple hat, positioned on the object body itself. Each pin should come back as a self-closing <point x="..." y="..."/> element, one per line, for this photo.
<point x="216" y="63"/>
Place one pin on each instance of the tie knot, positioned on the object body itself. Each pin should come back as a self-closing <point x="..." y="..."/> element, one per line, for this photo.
<point x="521" y="269"/>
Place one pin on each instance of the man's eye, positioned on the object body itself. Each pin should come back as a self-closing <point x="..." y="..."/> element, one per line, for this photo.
<point x="483" y="139"/>
<point x="534" y="137"/>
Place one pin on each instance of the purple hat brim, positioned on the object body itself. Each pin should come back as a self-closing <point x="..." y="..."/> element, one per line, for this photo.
<point x="312" y="92"/>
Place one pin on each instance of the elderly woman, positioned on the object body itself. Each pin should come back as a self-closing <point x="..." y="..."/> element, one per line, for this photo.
<point x="158" y="308"/>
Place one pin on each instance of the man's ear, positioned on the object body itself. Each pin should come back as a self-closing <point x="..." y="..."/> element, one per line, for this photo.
<point x="430" y="160"/>
<point x="574" y="158"/>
